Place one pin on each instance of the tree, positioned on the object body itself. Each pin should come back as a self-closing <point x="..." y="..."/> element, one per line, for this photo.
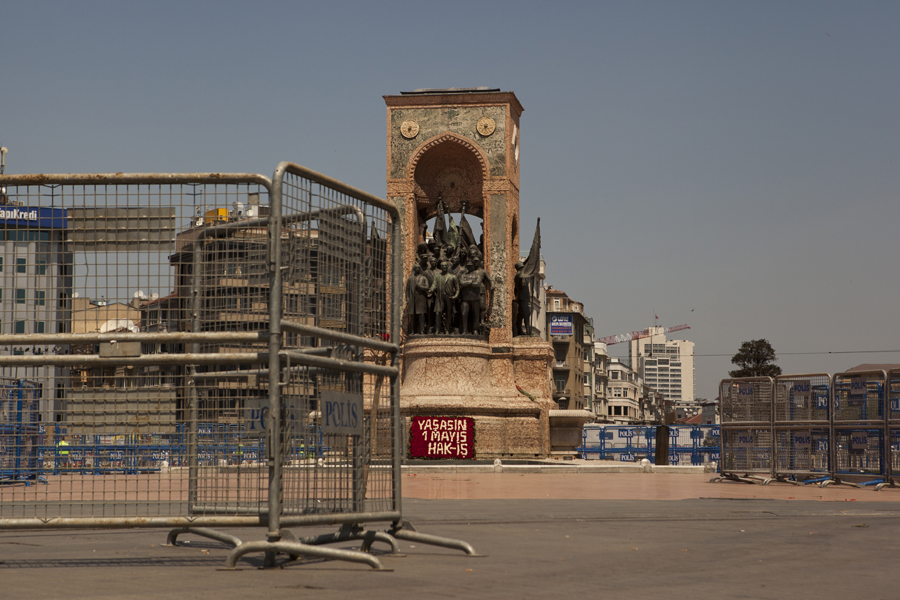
<point x="756" y="358"/>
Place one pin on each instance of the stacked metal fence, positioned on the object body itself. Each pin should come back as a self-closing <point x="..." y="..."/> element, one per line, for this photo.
<point x="892" y="391"/>
<point x="688" y="444"/>
<point x="746" y="407"/>
<point x="201" y="350"/>
<point x="859" y="435"/>
<point x="802" y="414"/>
<point x="616" y="442"/>
<point x="821" y="429"/>
<point x="683" y="445"/>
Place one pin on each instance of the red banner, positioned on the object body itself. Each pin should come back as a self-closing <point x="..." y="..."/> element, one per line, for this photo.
<point x="442" y="437"/>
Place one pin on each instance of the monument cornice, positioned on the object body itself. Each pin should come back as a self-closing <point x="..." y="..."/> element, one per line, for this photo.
<point x="451" y="99"/>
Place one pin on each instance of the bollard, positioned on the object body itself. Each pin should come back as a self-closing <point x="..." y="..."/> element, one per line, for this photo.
<point x="662" y="445"/>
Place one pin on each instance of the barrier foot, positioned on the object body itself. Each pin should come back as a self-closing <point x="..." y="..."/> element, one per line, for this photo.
<point x="404" y="530"/>
<point x="745" y="479"/>
<point x="353" y="532"/>
<point x="817" y="480"/>
<point x="876" y="484"/>
<point x="212" y="534"/>
<point x="864" y="484"/>
<point x="296" y="549"/>
<point x="794" y="481"/>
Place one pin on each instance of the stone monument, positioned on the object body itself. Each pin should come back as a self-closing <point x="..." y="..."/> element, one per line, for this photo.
<point x="453" y="160"/>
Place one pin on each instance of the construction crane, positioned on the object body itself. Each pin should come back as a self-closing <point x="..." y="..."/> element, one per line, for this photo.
<point x="636" y="335"/>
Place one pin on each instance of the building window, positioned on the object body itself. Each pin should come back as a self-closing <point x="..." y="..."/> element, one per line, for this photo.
<point x="39" y="327"/>
<point x="20" y="326"/>
<point x="1" y="263"/>
<point x="20" y="296"/>
<point x="556" y="304"/>
<point x="21" y="266"/>
<point x="614" y="375"/>
<point x="39" y="297"/>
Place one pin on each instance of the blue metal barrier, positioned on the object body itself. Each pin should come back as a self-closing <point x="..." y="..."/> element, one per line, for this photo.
<point x="219" y="445"/>
<point x="19" y="431"/>
<point x="706" y="444"/>
<point x="688" y="444"/>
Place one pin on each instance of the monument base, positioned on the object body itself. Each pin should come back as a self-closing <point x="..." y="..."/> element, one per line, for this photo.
<point x="463" y="377"/>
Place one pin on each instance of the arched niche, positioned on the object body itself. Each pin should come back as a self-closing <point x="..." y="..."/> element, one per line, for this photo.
<point x="449" y="169"/>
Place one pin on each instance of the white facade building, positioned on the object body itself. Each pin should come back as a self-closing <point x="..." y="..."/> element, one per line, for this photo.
<point x="666" y="366"/>
<point x="601" y="381"/>
<point x="623" y="393"/>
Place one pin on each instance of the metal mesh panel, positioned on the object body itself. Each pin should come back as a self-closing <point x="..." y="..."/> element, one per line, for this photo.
<point x="802" y="398"/>
<point x="746" y="400"/>
<point x="893" y="386"/>
<point x="337" y="259"/>
<point x="895" y="450"/>
<point x="858" y="399"/>
<point x="747" y="450"/>
<point x="859" y="451"/>
<point x="802" y="451"/>
<point x="255" y="382"/>
<point x="114" y="289"/>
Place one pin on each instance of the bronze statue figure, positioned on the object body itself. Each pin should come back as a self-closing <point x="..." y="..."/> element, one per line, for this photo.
<point x="449" y="292"/>
<point x="417" y="300"/>
<point x="473" y="285"/>
<point x="446" y="290"/>
<point x="524" y="283"/>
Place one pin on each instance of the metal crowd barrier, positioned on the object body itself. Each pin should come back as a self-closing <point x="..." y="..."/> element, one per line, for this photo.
<point x="892" y="389"/>
<point x="840" y="429"/>
<point x="688" y="444"/>
<point x="616" y="442"/>
<point x="859" y="429"/>
<point x="801" y="428"/>
<point x="213" y="350"/>
<point x="681" y="445"/>
<point x="746" y="407"/>
<point x="707" y="439"/>
<point x="19" y="431"/>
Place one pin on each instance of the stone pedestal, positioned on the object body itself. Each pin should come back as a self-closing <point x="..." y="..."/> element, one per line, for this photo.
<point x="455" y="376"/>
<point x="566" y="427"/>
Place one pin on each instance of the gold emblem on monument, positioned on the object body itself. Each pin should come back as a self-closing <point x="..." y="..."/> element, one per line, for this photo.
<point x="485" y="126"/>
<point x="409" y="129"/>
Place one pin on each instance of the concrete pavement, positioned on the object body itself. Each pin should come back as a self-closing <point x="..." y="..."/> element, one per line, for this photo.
<point x="609" y="535"/>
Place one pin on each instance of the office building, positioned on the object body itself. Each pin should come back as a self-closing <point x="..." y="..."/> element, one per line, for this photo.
<point x="666" y="366"/>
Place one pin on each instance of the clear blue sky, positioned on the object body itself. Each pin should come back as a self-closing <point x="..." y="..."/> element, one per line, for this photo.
<point x="730" y="165"/>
